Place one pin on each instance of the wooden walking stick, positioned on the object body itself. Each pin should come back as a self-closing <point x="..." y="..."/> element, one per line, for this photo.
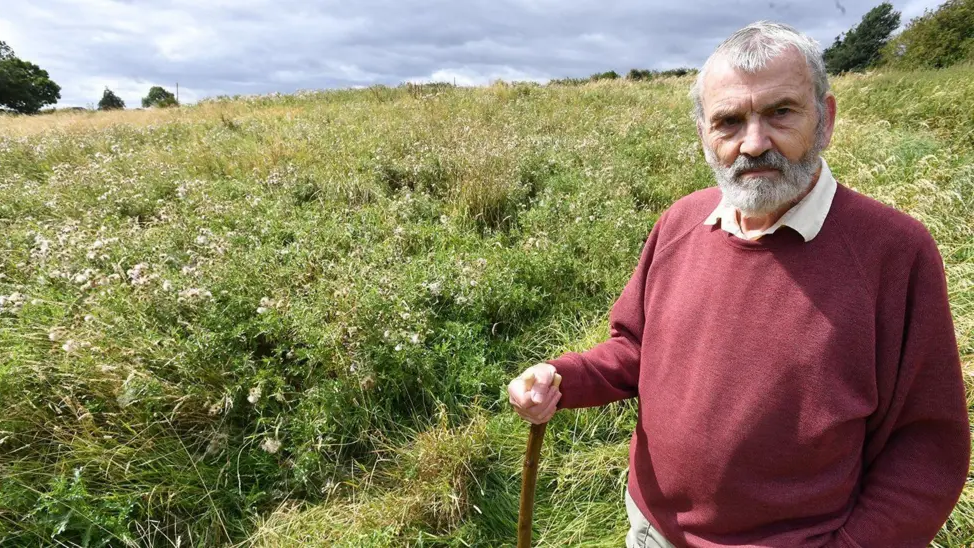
<point x="529" y="474"/>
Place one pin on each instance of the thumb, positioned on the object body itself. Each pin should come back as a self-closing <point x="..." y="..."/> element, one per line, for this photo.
<point x="543" y="377"/>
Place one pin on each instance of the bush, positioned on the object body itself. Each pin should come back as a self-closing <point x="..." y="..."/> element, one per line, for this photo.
<point x="936" y="39"/>
<point x="610" y="75"/>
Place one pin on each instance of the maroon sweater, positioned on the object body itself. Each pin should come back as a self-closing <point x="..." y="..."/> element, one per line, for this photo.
<point x="790" y="393"/>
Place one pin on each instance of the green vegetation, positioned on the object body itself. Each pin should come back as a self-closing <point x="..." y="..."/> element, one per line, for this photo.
<point x="159" y="97"/>
<point x="939" y="38"/>
<point x="290" y="320"/>
<point x="24" y="86"/>
<point x="110" y="101"/>
<point x="860" y="48"/>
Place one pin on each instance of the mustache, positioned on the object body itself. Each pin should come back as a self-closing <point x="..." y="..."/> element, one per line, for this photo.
<point x="770" y="159"/>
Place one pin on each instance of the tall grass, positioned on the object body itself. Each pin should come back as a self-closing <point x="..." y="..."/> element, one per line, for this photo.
<point x="289" y="320"/>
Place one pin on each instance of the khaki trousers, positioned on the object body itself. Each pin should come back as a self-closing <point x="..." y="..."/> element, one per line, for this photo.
<point x="642" y="534"/>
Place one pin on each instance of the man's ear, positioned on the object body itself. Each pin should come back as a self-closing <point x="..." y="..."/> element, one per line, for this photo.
<point x="831" y="107"/>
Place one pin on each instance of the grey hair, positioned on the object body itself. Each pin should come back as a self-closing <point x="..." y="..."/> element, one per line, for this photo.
<point x="751" y="48"/>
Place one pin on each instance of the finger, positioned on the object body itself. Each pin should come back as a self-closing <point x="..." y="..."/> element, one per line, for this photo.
<point x="542" y="381"/>
<point x="545" y="414"/>
<point x="518" y="396"/>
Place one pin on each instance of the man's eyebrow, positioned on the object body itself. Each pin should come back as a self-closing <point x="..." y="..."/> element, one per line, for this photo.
<point x="784" y="102"/>
<point x="727" y="111"/>
<point x="724" y="112"/>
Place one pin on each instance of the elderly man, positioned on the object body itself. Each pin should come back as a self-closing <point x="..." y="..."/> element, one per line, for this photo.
<point x="789" y="339"/>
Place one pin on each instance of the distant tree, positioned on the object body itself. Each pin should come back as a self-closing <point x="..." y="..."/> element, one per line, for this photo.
<point x="610" y="75"/>
<point x="860" y="48"/>
<point x="640" y="74"/>
<point x="936" y="39"/>
<point x="682" y="71"/>
<point x="110" y="101"/>
<point x="24" y="87"/>
<point x="159" y="97"/>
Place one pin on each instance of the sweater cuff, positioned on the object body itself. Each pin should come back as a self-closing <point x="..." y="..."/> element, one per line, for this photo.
<point x="569" y="367"/>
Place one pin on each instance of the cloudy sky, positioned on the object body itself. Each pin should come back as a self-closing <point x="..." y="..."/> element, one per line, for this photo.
<point x="214" y="47"/>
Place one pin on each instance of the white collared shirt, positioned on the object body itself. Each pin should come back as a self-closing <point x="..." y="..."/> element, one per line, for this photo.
<point x="806" y="217"/>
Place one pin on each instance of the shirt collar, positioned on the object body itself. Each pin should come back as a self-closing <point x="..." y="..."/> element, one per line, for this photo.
<point x="806" y="217"/>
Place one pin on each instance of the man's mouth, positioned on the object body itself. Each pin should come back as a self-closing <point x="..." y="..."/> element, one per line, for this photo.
<point x="762" y="172"/>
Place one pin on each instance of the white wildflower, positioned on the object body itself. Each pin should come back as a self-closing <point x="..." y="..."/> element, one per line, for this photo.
<point x="14" y="302"/>
<point x="194" y="294"/>
<point x="137" y="274"/>
<point x="70" y="346"/>
<point x="166" y="285"/>
<point x="254" y="395"/>
<point x="398" y="347"/>
<point x="271" y="445"/>
<point x="481" y="262"/>
<point x="56" y="334"/>
<point x="435" y="288"/>
<point x="89" y="318"/>
<point x="83" y="277"/>
<point x="265" y="305"/>
<point x="217" y="443"/>
<point x="414" y="338"/>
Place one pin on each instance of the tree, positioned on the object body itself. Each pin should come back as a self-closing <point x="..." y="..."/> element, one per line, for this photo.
<point x="24" y="86"/>
<point x="936" y="39"/>
<point x="640" y="74"/>
<point x="610" y="75"/>
<point x="860" y="48"/>
<point x="110" y="101"/>
<point x="159" y="97"/>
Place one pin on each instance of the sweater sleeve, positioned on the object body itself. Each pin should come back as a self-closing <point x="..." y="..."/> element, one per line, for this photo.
<point x="917" y="458"/>
<point x="609" y="371"/>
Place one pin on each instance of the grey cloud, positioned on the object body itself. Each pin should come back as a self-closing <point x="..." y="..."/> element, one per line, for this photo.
<point x="257" y="46"/>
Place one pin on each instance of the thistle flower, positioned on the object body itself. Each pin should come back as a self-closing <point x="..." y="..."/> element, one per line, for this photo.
<point x="271" y="445"/>
<point x="137" y="274"/>
<point x="71" y="346"/>
<point x="14" y="302"/>
<point x="194" y="294"/>
<point x="265" y="305"/>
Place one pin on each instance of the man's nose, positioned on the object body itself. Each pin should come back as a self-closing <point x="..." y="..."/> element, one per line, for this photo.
<point x="756" y="140"/>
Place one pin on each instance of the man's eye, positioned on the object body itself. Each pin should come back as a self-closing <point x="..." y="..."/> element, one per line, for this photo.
<point x="782" y="111"/>
<point x="729" y="122"/>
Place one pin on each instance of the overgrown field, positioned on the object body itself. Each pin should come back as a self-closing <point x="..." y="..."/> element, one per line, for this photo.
<point x="290" y="320"/>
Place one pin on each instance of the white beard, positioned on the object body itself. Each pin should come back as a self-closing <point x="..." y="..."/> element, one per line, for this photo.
<point x="758" y="196"/>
